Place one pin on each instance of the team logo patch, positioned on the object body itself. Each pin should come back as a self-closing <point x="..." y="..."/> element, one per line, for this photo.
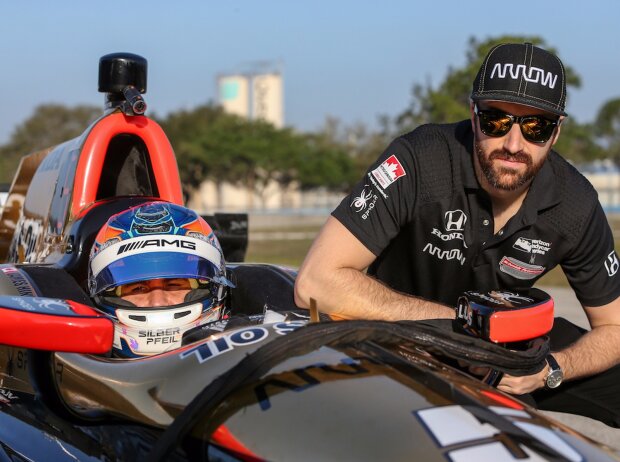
<point x="611" y="264"/>
<point x="451" y="254"/>
<point x="532" y="246"/>
<point x="455" y="220"/>
<point x="6" y="396"/>
<point x="19" y="281"/>
<point x="389" y="171"/>
<point x="365" y="202"/>
<point x="361" y="202"/>
<point x="518" y="269"/>
<point x="527" y="73"/>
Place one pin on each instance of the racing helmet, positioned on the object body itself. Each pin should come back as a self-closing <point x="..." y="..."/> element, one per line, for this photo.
<point x="156" y="241"/>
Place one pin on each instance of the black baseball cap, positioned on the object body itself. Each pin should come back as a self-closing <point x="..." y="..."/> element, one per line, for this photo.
<point x="524" y="74"/>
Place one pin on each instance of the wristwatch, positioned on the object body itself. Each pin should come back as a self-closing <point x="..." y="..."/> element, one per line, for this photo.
<point x="555" y="374"/>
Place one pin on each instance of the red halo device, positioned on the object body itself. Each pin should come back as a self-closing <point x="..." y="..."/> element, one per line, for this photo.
<point x="502" y="316"/>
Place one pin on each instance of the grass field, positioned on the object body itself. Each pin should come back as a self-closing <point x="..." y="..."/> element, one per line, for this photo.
<point x="279" y="251"/>
<point x="292" y="252"/>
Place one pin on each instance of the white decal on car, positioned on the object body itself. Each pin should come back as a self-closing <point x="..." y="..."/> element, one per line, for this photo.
<point x="6" y="396"/>
<point x="466" y="437"/>
<point x="513" y="298"/>
<point x="19" y="281"/>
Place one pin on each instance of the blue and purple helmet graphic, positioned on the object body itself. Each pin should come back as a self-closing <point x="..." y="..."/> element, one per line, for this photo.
<point x="157" y="240"/>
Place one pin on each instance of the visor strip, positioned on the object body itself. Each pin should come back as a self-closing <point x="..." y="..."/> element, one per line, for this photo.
<point x="155" y="243"/>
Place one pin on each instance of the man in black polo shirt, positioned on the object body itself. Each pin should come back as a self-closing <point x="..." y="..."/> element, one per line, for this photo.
<point x="480" y="205"/>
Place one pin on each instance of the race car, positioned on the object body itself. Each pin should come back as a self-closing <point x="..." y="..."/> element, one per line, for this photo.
<point x="268" y="382"/>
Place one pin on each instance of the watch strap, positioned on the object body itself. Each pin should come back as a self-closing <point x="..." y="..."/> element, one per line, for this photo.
<point x="553" y="364"/>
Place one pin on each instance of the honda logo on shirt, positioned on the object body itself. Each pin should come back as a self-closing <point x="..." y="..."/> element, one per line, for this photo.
<point x="611" y="264"/>
<point x="455" y="220"/>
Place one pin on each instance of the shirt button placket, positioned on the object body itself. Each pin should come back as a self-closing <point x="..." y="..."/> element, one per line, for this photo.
<point x="485" y="232"/>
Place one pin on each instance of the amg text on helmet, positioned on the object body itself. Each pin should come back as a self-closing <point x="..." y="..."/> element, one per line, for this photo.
<point x="179" y="243"/>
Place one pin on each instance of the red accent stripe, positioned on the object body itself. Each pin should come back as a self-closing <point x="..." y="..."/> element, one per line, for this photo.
<point x="503" y="400"/>
<point x="92" y="333"/>
<point x="81" y="309"/>
<point x="521" y="268"/>
<point x="223" y="437"/>
<point x="521" y="324"/>
<point x="92" y="156"/>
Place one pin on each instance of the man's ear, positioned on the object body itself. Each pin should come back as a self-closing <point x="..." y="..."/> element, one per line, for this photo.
<point x="472" y="116"/>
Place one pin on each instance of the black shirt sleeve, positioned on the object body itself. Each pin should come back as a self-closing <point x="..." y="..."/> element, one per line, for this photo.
<point x="384" y="200"/>
<point x="592" y="268"/>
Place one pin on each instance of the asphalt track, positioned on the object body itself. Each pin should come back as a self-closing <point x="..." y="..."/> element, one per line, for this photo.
<point x="567" y="306"/>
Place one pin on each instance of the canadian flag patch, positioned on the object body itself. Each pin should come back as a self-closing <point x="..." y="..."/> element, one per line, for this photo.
<point x="388" y="172"/>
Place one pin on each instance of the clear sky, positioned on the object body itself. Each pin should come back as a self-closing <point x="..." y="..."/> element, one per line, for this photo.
<point x="351" y="59"/>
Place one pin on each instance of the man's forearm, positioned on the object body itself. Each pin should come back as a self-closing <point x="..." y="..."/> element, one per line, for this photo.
<point x="351" y="294"/>
<point x="595" y="352"/>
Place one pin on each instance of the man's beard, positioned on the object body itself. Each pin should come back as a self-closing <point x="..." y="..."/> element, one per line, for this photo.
<point x="503" y="178"/>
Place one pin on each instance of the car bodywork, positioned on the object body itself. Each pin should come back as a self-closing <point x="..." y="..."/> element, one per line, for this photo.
<point x="263" y="384"/>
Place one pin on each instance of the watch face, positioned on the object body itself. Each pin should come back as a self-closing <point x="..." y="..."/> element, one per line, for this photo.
<point x="554" y="379"/>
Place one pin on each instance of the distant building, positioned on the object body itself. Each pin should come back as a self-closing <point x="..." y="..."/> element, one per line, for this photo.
<point x="225" y="197"/>
<point x="253" y="95"/>
<point x="268" y="98"/>
<point x="234" y="94"/>
<point x="605" y="177"/>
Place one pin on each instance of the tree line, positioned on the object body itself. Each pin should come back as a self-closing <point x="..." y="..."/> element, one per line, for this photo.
<point x="213" y="145"/>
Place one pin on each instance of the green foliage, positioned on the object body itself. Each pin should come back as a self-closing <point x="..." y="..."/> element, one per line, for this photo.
<point x="8" y="166"/>
<point x="204" y="140"/>
<point x="211" y="144"/>
<point x="577" y="143"/>
<point x="221" y="147"/>
<point x="50" y="125"/>
<point x="353" y="149"/>
<point x="325" y="163"/>
<point x="449" y="101"/>
<point x="607" y="126"/>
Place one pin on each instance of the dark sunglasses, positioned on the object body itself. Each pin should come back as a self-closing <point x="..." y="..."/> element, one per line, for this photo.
<point x="535" y="128"/>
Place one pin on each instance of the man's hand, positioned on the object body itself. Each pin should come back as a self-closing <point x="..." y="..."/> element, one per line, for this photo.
<point x="512" y="384"/>
<point x="524" y="384"/>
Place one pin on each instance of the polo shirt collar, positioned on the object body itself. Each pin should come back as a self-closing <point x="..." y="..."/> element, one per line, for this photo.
<point x="544" y="192"/>
<point x="467" y="164"/>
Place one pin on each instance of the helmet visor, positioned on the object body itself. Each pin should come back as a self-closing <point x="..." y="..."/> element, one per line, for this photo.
<point x="148" y="257"/>
<point x="153" y="265"/>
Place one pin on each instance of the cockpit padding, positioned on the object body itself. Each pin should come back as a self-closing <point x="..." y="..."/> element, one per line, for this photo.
<point x="53" y="282"/>
<point x="259" y="286"/>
